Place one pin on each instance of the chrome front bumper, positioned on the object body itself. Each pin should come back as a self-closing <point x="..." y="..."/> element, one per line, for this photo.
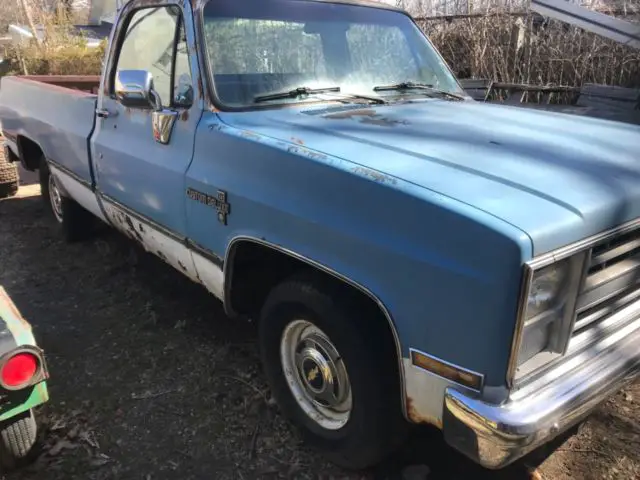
<point x="496" y="435"/>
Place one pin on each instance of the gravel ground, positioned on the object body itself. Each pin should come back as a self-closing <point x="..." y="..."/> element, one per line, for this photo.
<point x="150" y="380"/>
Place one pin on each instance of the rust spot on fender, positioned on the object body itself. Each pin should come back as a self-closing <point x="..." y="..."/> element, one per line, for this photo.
<point x="383" y="121"/>
<point x="184" y="116"/>
<point x="375" y="175"/>
<point x="251" y="135"/>
<point x="297" y="141"/>
<point x="417" y="417"/>
<point x="199" y="87"/>
<point x="300" y="150"/>
<point x="132" y="229"/>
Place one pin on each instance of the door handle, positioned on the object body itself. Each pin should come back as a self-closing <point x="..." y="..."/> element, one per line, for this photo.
<point x="162" y="123"/>
<point x="104" y="113"/>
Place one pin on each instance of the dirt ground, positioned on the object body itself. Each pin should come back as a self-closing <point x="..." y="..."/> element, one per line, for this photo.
<point x="150" y="380"/>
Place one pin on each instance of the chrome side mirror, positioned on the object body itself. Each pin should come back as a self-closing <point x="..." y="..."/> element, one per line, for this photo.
<point x="134" y="88"/>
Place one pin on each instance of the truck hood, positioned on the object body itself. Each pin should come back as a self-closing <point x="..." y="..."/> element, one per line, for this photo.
<point x="557" y="177"/>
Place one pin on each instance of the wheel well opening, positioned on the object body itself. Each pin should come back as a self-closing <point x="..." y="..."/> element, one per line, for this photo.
<point x="256" y="269"/>
<point x="30" y="153"/>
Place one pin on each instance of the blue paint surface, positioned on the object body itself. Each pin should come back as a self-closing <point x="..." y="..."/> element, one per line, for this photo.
<point x="432" y="205"/>
<point x="54" y="118"/>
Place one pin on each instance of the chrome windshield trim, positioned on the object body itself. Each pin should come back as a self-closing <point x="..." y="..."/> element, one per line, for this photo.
<point x="542" y="261"/>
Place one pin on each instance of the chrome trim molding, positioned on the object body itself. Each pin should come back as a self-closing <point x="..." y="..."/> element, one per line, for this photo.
<point x="452" y="365"/>
<point x="70" y="173"/>
<point x="496" y="435"/>
<point x="228" y="272"/>
<point x="205" y="252"/>
<point x="567" y="251"/>
<point x="545" y="260"/>
<point x="140" y="218"/>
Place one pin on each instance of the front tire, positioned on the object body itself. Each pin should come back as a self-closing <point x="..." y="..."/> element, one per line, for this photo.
<point x="17" y="438"/>
<point x="330" y="372"/>
<point x="75" y="222"/>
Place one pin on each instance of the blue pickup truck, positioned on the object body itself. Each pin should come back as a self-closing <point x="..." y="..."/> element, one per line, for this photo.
<point x="410" y="255"/>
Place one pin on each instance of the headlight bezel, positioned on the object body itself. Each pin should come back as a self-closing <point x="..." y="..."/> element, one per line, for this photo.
<point x="577" y="263"/>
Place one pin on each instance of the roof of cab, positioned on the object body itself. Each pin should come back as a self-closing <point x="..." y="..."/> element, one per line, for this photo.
<point x="363" y="3"/>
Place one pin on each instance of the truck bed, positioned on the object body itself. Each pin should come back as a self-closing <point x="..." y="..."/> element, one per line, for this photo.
<point x="56" y="112"/>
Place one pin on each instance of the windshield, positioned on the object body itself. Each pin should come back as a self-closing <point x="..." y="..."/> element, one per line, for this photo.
<point x="257" y="48"/>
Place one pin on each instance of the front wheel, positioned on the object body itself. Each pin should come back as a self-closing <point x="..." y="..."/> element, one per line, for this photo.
<point x="330" y="374"/>
<point x="17" y="438"/>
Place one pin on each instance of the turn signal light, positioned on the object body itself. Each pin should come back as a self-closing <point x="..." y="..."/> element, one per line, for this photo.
<point x="446" y="370"/>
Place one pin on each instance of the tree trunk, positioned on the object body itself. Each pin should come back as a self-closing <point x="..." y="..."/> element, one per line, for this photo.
<point x="32" y="25"/>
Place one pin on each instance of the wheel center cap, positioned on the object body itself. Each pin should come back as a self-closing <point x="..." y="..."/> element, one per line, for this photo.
<point x="312" y="374"/>
<point x="315" y="370"/>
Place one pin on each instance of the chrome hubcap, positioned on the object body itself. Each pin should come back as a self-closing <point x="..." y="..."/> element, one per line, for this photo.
<point x="56" y="198"/>
<point x="316" y="374"/>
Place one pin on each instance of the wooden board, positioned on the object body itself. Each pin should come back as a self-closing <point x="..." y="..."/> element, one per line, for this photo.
<point x="608" y="97"/>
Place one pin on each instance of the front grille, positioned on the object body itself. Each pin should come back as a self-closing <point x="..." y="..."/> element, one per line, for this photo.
<point x="612" y="280"/>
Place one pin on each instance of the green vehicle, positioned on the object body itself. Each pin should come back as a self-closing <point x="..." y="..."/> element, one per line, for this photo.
<point x="23" y="375"/>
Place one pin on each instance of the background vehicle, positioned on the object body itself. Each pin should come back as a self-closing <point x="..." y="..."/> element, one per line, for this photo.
<point x="8" y="175"/>
<point x="410" y="254"/>
<point x="23" y="375"/>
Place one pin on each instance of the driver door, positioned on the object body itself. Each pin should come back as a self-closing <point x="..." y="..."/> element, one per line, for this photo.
<point x="136" y="169"/>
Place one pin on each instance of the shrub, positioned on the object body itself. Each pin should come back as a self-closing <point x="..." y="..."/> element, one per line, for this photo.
<point x="532" y="50"/>
<point x="63" y="50"/>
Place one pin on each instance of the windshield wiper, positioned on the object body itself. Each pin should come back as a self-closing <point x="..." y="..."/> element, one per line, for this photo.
<point x="295" y="93"/>
<point x="416" y="86"/>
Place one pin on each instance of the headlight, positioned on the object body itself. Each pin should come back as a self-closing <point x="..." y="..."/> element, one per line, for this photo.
<point x="547" y="315"/>
<point x="545" y="290"/>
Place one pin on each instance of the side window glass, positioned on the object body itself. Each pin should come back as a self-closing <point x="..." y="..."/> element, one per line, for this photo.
<point x="149" y="45"/>
<point x="183" y="88"/>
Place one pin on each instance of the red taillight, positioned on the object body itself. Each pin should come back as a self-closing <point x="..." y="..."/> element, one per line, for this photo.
<point x="19" y="369"/>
